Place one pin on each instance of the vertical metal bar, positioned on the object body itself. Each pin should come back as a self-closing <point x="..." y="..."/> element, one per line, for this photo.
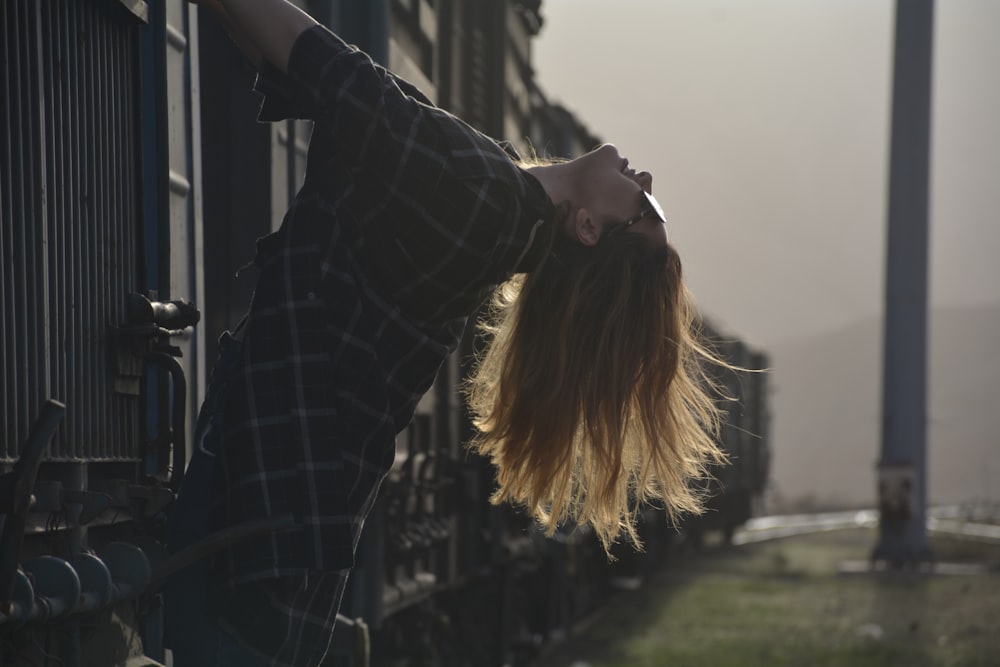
<point x="81" y="222"/>
<point x="77" y="221"/>
<point x="72" y="195"/>
<point x="26" y="227"/>
<point x="62" y="194"/>
<point x="29" y="229"/>
<point x="48" y="122"/>
<point x="123" y="103"/>
<point x="117" y="104"/>
<point x="97" y="292"/>
<point x="903" y="465"/>
<point x="6" y="223"/>
<point x="65" y="194"/>
<point x="21" y="225"/>
<point x="133" y="221"/>
<point x="97" y="442"/>
<point x="92" y="294"/>
<point x="11" y="266"/>
<point x="37" y="297"/>
<point x="131" y="218"/>
<point x="52" y="302"/>
<point x="48" y="128"/>
<point x="40" y="297"/>
<point x="109" y="190"/>
<point x="91" y="298"/>
<point x="107" y="219"/>
<point x="112" y="434"/>
<point x="113" y="286"/>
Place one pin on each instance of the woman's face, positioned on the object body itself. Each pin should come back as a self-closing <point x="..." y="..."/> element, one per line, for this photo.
<point x="612" y="192"/>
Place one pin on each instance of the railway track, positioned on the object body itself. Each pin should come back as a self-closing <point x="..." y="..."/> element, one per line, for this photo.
<point x="949" y="519"/>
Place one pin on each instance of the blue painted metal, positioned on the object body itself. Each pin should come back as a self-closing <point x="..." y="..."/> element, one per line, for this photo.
<point x="129" y="567"/>
<point x="56" y="584"/>
<point x="903" y="463"/>
<point x="22" y="600"/>
<point x="96" y="586"/>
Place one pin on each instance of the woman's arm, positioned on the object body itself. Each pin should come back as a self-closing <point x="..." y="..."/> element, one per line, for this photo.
<point x="262" y="28"/>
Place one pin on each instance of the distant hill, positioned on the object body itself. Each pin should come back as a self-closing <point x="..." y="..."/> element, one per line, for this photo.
<point x="826" y="410"/>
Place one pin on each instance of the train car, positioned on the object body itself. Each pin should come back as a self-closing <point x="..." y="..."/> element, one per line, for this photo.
<point x="135" y="180"/>
<point x="736" y="488"/>
<point x="102" y="357"/>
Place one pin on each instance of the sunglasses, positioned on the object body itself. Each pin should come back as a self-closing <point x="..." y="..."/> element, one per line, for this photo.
<point x="650" y="207"/>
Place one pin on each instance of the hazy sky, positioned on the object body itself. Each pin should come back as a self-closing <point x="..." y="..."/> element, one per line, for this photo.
<point x="766" y="126"/>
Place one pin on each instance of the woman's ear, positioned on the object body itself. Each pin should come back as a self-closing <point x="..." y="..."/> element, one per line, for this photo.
<point x="585" y="229"/>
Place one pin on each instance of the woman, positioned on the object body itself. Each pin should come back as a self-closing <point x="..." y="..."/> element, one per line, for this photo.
<point x="588" y="400"/>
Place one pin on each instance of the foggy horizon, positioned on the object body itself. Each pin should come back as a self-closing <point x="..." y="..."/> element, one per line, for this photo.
<point x="766" y="126"/>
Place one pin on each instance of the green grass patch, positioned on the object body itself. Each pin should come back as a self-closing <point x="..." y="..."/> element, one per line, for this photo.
<point x="784" y="603"/>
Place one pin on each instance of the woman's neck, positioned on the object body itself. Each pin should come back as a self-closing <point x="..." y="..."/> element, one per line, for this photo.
<point x="557" y="181"/>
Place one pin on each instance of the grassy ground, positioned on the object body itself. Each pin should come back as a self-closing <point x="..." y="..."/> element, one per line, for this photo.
<point x="783" y="603"/>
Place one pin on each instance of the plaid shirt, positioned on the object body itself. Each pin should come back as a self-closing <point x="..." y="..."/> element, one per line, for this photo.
<point x="407" y="219"/>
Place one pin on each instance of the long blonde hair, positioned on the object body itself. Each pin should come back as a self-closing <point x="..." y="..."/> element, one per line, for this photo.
<point x="592" y="397"/>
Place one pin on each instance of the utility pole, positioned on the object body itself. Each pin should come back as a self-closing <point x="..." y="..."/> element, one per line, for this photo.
<point x="902" y="469"/>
